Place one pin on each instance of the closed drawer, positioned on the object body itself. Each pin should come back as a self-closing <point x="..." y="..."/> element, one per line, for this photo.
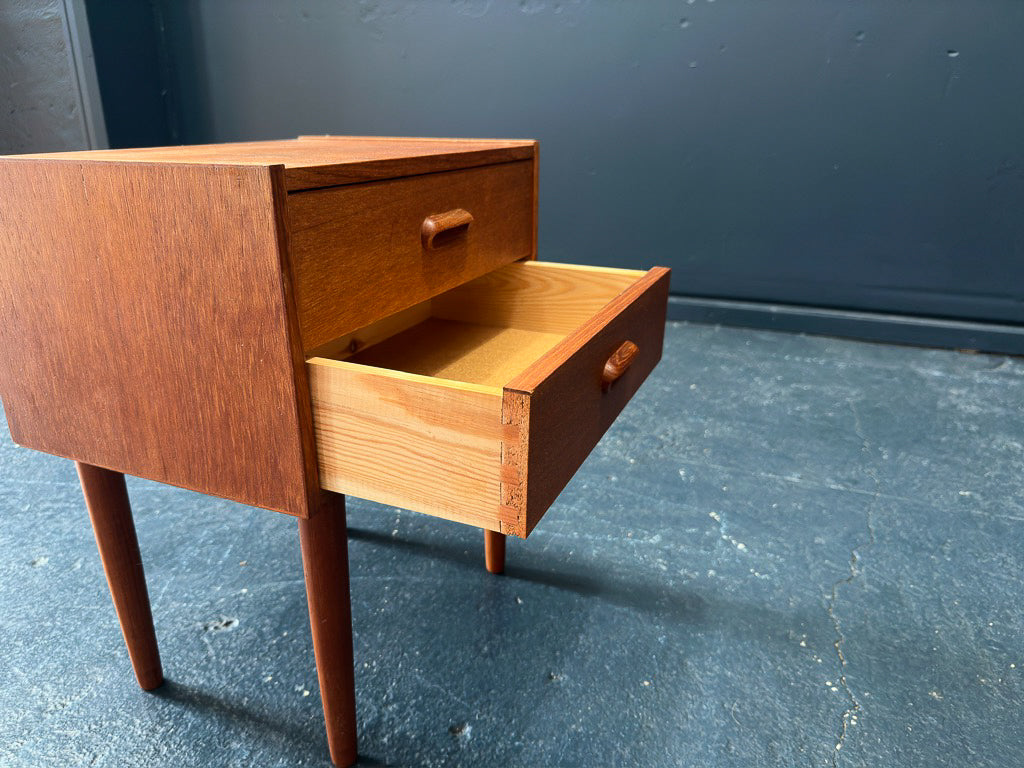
<point x="480" y="404"/>
<point x="359" y="254"/>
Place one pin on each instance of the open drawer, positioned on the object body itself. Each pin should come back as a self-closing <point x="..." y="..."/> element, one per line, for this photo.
<point x="480" y="404"/>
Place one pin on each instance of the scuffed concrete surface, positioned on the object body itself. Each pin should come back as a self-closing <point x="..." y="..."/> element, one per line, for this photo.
<point x="40" y="108"/>
<point x="783" y="545"/>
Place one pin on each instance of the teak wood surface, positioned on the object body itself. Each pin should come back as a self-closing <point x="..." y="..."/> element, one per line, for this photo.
<point x="364" y="242"/>
<point x="106" y="499"/>
<point x="144" y="326"/>
<point x="323" y="539"/>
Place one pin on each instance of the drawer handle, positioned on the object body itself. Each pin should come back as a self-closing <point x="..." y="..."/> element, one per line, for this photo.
<point x="617" y="364"/>
<point x="453" y="222"/>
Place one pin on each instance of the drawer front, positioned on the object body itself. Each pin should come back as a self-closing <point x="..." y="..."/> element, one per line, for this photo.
<point x="395" y="428"/>
<point x="562" y="405"/>
<point x="362" y="252"/>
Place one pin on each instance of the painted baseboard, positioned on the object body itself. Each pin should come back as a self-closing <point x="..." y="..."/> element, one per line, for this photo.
<point x="866" y="326"/>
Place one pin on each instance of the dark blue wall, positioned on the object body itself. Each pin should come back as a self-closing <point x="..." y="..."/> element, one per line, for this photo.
<point x="862" y="155"/>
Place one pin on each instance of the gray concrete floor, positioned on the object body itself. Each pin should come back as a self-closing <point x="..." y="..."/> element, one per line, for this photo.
<point x="788" y="551"/>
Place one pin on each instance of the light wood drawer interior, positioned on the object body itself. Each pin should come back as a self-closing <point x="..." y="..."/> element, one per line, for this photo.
<point x="480" y="404"/>
<point x="359" y="252"/>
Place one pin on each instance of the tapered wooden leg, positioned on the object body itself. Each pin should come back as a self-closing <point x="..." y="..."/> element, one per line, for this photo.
<point x="324" y="541"/>
<point x="494" y="551"/>
<point x="106" y="498"/>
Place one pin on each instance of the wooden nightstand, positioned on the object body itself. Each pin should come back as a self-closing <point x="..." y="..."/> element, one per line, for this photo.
<point x="284" y="322"/>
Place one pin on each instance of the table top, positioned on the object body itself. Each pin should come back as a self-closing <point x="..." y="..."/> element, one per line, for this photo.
<point x="316" y="161"/>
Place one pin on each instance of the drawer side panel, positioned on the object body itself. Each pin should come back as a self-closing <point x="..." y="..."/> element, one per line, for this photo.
<point x="409" y="441"/>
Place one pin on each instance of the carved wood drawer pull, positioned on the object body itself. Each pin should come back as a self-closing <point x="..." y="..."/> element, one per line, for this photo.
<point x="617" y="364"/>
<point x="453" y="222"/>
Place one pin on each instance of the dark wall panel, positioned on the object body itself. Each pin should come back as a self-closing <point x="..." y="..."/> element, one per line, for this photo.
<point x="133" y="72"/>
<point x="864" y="155"/>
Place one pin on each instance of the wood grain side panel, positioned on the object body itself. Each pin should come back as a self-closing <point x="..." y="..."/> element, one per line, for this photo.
<point x="535" y="296"/>
<point x="568" y="409"/>
<point x="410" y="441"/>
<point x="357" y="251"/>
<point x="143" y="325"/>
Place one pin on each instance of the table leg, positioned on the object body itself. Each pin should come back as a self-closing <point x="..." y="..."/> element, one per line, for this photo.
<point x="324" y="541"/>
<point x="494" y="551"/>
<point x="106" y="498"/>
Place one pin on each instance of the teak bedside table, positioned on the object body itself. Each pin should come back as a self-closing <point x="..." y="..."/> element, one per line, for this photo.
<point x="283" y="322"/>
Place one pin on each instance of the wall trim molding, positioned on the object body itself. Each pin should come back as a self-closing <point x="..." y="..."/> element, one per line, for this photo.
<point x="864" y="326"/>
<point x="83" y="64"/>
